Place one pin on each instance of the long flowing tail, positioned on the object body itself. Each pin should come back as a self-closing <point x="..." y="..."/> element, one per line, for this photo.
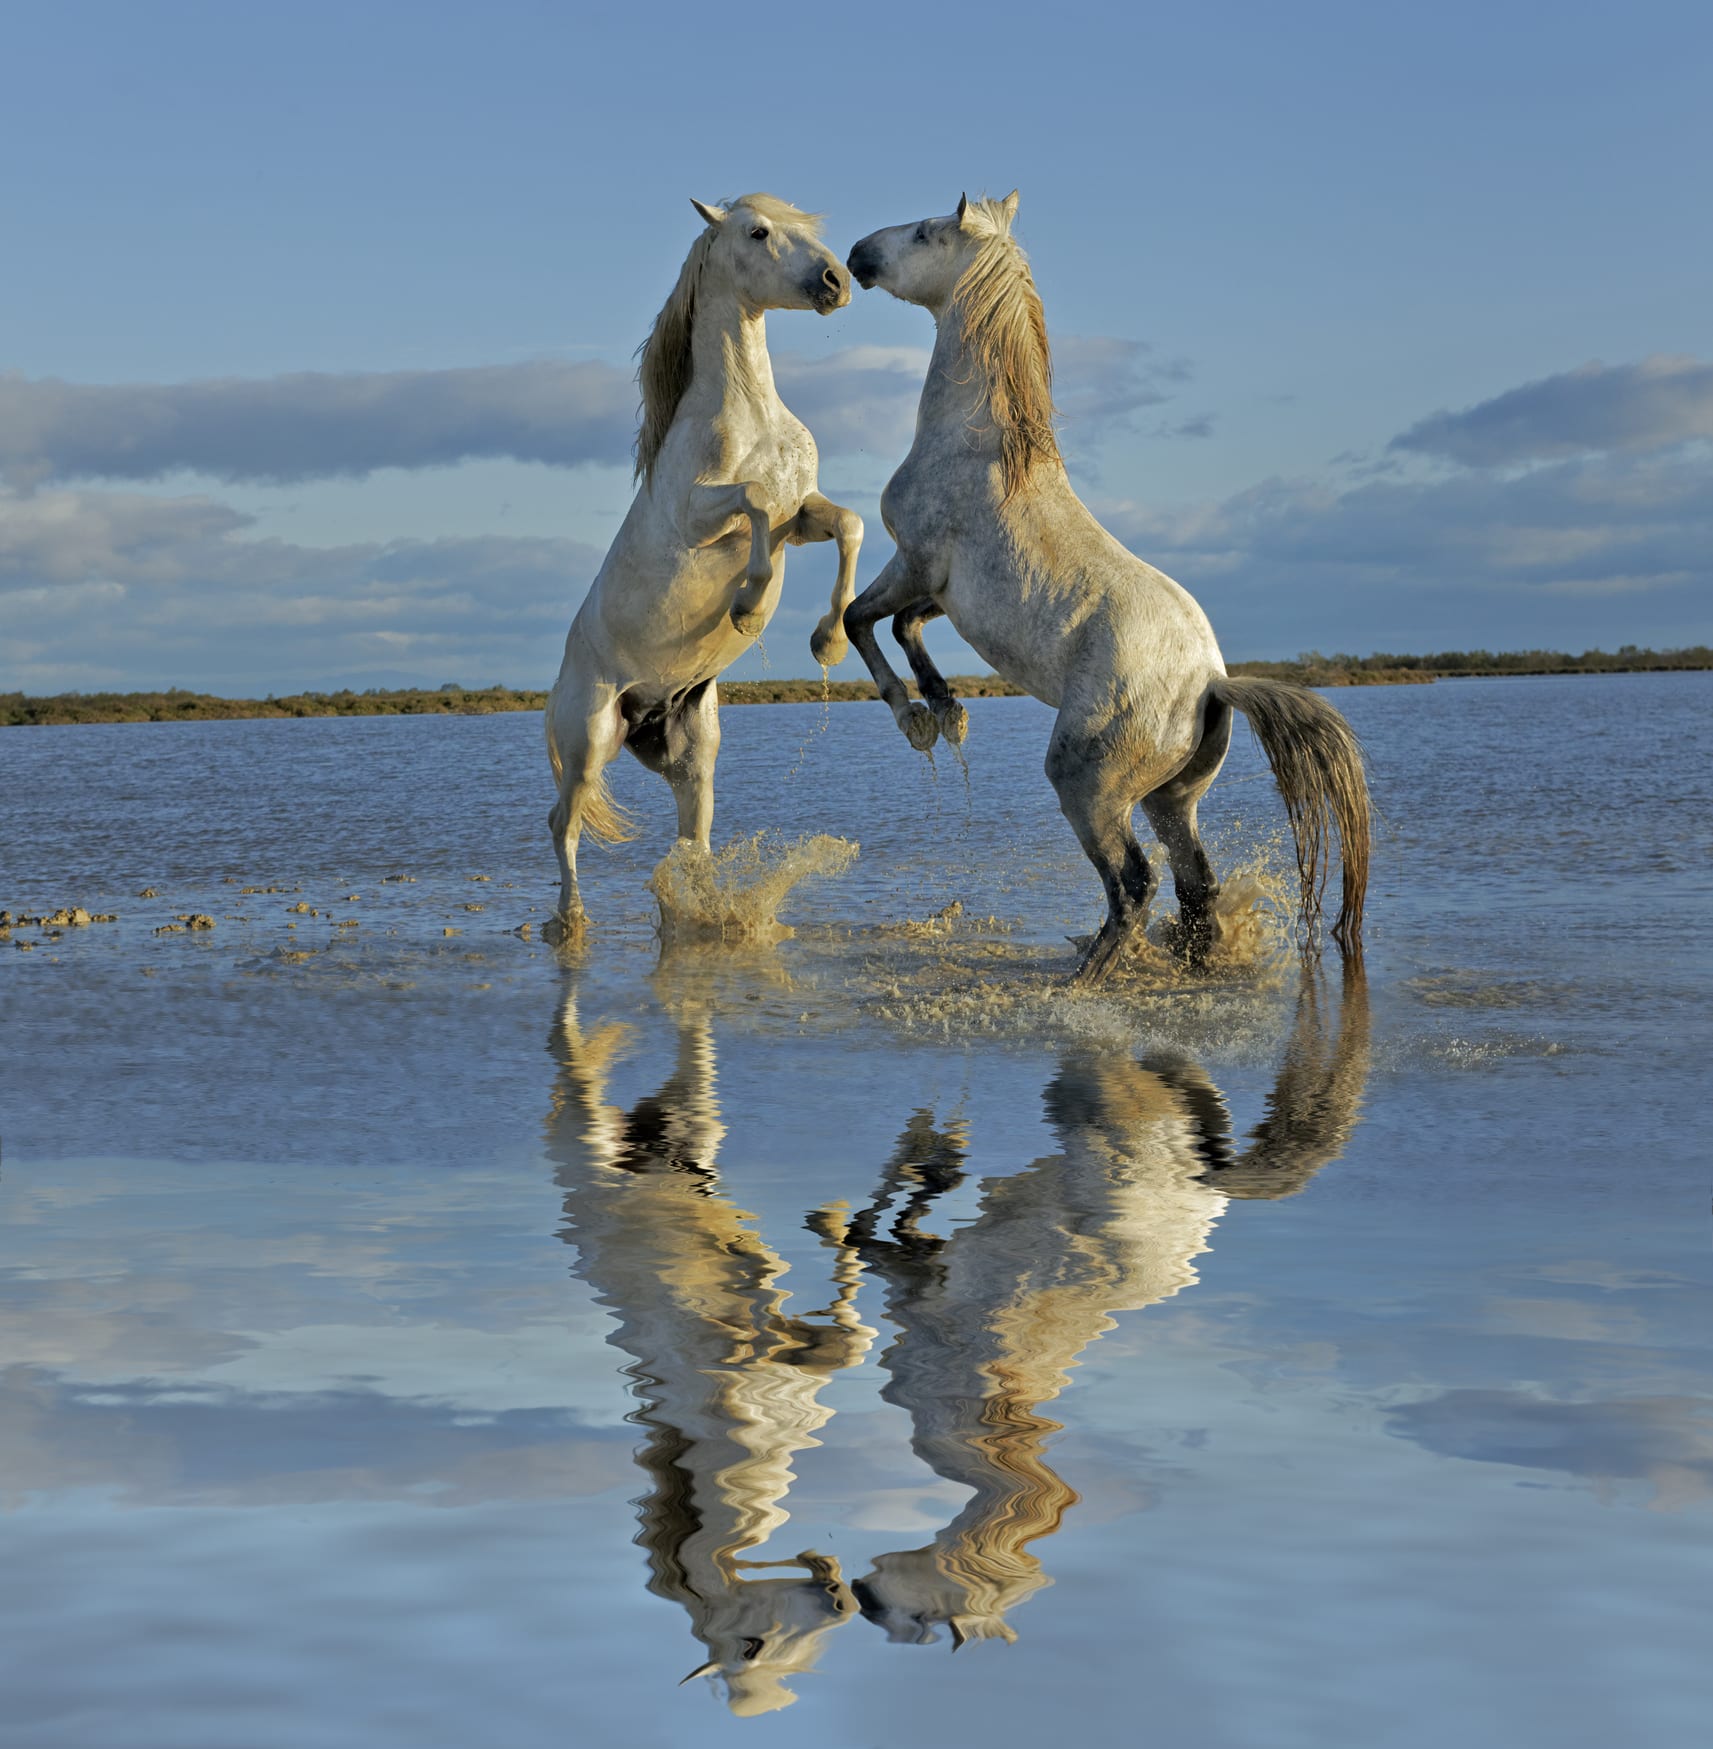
<point x="601" y="816"/>
<point x="1317" y="763"/>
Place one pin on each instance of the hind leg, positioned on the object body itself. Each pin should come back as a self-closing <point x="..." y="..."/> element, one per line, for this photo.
<point x="682" y="745"/>
<point x="585" y="731"/>
<point x="1171" y="811"/>
<point x="1095" y="791"/>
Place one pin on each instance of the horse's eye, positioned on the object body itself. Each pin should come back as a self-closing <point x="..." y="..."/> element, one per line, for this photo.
<point x="922" y="233"/>
<point x="759" y="233"/>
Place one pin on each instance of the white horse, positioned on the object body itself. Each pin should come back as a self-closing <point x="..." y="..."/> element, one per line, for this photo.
<point x="991" y="1320"/>
<point x="990" y="533"/>
<point x="728" y="1374"/>
<point x="728" y="477"/>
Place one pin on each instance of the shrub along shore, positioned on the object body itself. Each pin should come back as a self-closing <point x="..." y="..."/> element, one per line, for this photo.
<point x="176" y="706"/>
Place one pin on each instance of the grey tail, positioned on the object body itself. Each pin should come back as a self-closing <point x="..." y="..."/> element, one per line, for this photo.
<point x="1318" y="765"/>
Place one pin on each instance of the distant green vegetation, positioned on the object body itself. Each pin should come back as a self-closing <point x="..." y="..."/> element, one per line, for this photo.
<point x="1314" y="669"/>
<point x="1311" y="669"/>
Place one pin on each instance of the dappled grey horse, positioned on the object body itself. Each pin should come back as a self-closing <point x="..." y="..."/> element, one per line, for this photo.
<point x="990" y="533"/>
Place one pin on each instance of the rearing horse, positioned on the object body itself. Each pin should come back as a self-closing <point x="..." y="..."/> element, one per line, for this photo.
<point x="990" y="533"/>
<point x="728" y="478"/>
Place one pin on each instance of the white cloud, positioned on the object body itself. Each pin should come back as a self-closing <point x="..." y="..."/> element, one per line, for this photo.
<point x="315" y="425"/>
<point x="1595" y="409"/>
<point x="121" y="589"/>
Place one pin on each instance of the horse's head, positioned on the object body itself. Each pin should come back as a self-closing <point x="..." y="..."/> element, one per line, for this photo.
<point x="922" y="262"/>
<point x="773" y="255"/>
<point x="762" y="1632"/>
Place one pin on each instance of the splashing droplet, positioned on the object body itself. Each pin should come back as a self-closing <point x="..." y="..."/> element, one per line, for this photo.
<point x="735" y="894"/>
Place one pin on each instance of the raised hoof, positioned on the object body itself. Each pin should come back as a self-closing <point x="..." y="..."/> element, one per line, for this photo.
<point x="954" y="721"/>
<point x="920" y="729"/>
<point x="751" y="622"/>
<point x="829" y="648"/>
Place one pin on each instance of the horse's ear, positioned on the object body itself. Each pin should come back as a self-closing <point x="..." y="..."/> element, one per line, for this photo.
<point x="963" y="209"/>
<point x="714" y="215"/>
<point x="1009" y="206"/>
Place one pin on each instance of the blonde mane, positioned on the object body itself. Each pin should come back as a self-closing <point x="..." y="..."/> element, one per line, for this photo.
<point x="666" y="365"/>
<point x="1006" y="333"/>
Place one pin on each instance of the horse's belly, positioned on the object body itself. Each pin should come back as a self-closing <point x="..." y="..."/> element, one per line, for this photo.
<point x="662" y="642"/>
<point x="1004" y="632"/>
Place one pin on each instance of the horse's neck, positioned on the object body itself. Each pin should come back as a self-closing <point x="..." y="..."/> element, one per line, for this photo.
<point x="731" y="372"/>
<point x="954" y="389"/>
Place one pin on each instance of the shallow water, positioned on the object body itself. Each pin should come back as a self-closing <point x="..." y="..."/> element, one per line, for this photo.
<point x="410" y="1332"/>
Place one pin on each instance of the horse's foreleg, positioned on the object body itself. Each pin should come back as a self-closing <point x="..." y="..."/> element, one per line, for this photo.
<point x="897" y="587"/>
<point x="907" y="626"/>
<point x="821" y="519"/>
<point x="708" y="518"/>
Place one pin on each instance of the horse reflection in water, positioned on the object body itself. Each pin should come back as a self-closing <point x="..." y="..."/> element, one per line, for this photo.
<point x="728" y="1382"/>
<point x="989" y="1321"/>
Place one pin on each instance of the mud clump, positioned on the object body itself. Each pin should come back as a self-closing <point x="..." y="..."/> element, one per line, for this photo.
<point x="736" y="893"/>
<point x="67" y="917"/>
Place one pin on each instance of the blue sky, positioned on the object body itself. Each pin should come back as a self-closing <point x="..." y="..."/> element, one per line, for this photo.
<point x="1379" y="329"/>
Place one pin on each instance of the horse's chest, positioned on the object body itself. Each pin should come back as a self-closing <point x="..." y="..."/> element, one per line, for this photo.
<point x="782" y="460"/>
<point x="907" y="506"/>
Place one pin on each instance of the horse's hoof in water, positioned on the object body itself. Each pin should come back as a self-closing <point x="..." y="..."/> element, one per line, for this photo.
<point x="1195" y="938"/>
<point x="920" y="729"/>
<point x="567" y="929"/>
<point x="750" y="621"/>
<point x="829" y="648"/>
<point x="1104" y="952"/>
<point x="954" y="721"/>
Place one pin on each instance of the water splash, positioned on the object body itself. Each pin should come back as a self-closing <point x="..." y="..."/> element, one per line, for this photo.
<point x="1256" y="915"/>
<point x="962" y="758"/>
<point x="736" y="893"/>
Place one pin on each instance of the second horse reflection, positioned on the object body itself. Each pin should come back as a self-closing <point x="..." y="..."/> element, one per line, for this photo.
<point x="989" y="1321"/>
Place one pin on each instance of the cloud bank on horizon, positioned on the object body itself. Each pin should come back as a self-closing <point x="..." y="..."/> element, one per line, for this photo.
<point x="1572" y="509"/>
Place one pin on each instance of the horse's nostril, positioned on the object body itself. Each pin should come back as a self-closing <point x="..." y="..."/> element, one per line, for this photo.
<point x="833" y="279"/>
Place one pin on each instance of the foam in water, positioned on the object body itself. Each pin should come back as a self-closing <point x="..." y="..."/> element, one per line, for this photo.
<point x="947" y="974"/>
<point x="736" y="893"/>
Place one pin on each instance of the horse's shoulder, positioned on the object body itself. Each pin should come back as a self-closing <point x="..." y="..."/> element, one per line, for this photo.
<point x="927" y="486"/>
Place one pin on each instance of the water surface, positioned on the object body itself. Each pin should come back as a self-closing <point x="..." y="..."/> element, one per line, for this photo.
<point x="413" y="1336"/>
